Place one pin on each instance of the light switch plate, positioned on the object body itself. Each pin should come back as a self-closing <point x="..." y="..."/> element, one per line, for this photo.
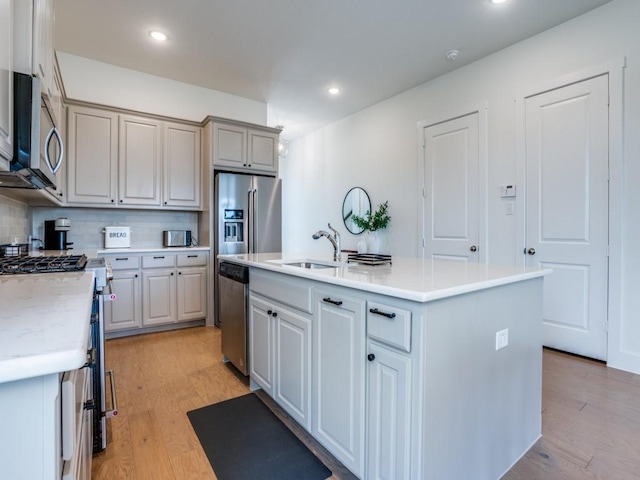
<point x="507" y="191"/>
<point x="502" y="338"/>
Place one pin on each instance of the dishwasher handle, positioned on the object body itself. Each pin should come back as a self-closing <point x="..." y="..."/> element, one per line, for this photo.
<point x="235" y="272"/>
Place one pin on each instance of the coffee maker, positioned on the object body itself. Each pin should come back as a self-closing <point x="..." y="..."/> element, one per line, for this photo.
<point x="55" y="234"/>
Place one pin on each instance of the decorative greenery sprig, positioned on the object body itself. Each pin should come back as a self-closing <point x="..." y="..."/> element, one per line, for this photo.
<point x="379" y="220"/>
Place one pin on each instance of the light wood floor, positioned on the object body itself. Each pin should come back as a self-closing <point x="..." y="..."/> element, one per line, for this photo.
<point x="591" y="414"/>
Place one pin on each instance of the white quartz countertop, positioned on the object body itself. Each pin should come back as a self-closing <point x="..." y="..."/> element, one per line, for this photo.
<point x="408" y="278"/>
<point x="150" y="249"/>
<point x="44" y="323"/>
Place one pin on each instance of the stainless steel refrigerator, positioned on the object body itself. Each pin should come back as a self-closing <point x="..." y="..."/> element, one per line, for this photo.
<point x="248" y="212"/>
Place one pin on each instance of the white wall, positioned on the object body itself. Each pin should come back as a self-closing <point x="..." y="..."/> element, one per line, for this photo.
<point x="97" y="82"/>
<point x="377" y="149"/>
<point x="15" y="221"/>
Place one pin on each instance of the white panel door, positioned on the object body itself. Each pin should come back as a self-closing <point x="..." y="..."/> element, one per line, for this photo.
<point x="451" y="156"/>
<point x="566" y="148"/>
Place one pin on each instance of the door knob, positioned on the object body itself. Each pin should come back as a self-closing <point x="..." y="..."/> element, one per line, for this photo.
<point x="473" y="248"/>
<point x="531" y="251"/>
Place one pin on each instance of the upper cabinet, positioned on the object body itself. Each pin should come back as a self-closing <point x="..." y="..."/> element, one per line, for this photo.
<point x="182" y="165"/>
<point x="33" y="40"/>
<point x="241" y="147"/>
<point x="6" y="90"/>
<point x="132" y="161"/>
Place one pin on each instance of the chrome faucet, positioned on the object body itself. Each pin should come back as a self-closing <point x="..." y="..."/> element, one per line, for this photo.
<point x="335" y="240"/>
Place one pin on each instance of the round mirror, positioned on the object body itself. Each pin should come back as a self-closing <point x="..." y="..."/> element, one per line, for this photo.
<point x="356" y="202"/>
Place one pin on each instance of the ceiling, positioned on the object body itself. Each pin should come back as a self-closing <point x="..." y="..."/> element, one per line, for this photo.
<point x="287" y="53"/>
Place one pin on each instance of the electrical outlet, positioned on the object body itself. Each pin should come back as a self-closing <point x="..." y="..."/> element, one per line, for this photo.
<point x="502" y="338"/>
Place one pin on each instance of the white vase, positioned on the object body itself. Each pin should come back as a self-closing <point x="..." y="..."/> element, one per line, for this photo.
<point x="377" y="242"/>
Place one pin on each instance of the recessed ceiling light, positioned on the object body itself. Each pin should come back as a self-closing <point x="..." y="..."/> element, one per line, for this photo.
<point x="498" y="1"/>
<point x="334" y="90"/>
<point x="157" y="35"/>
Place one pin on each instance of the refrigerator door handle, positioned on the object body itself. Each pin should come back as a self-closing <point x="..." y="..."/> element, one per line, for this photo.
<point x="250" y="221"/>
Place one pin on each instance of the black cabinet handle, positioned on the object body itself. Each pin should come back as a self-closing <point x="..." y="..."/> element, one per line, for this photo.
<point x="136" y="275"/>
<point x="269" y="312"/>
<point x="371" y="357"/>
<point x="384" y="314"/>
<point x="172" y="274"/>
<point x="192" y="256"/>
<point x="179" y="273"/>
<point x="123" y="258"/>
<point x="274" y="314"/>
<point x="157" y="258"/>
<point x="333" y="302"/>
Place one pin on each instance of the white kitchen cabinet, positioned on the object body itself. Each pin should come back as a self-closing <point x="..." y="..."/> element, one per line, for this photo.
<point x="192" y="293"/>
<point x="6" y="84"/>
<point x="158" y="296"/>
<point x="125" y="311"/>
<point x="244" y="148"/>
<point x="280" y="356"/>
<point x="33" y="37"/>
<point x="182" y="166"/>
<point x="388" y="413"/>
<point x="338" y="417"/>
<point x="128" y="161"/>
<point x="92" y="161"/>
<point x="140" y="161"/>
<point x="156" y="289"/>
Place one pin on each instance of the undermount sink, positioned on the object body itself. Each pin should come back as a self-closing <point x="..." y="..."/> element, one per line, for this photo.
<point x="311" y="265"/>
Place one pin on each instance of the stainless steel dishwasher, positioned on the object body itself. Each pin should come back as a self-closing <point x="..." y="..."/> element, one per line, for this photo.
<point x="233" y="283"/>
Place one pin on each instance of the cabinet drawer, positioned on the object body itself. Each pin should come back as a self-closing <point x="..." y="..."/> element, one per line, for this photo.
<point x="195" y="259"/>
<point x="124" y="262"/>
<point x="390" y="325"/>
<point x="159" y="260"/>
<point x="292" y="291"/>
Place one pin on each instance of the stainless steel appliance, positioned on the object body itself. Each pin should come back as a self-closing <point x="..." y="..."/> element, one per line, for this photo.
<point x="176" y="238"/>
<point x="248" y="211"/>
<point x="38" y="147"/>
<point x="233" y="283"/>
<point x="24" y="264"/>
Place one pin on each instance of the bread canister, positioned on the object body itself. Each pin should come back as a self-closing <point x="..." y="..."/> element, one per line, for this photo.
<point x="117" y="237"/>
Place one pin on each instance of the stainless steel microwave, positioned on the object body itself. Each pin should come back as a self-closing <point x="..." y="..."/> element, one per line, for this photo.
<point x="38" y="148"/>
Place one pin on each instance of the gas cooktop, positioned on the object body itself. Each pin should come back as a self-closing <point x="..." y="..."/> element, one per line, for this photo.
<point x="44" y="264"/>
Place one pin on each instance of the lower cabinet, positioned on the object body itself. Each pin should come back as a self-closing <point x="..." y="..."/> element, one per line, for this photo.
<point x="338" y="420"/>
<point x="388" y="413"/>
<point x="126" y="312"/>
<point x="156" y="289"/>
<point x="280" y="356"/>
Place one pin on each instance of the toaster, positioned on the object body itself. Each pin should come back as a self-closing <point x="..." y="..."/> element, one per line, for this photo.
<point x="176" y="238"/>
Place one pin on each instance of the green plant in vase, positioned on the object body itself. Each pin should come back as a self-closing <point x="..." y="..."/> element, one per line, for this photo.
<point x="373" y="223"/>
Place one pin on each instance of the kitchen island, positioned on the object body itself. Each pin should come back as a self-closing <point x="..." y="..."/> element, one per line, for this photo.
<point x="415" y="370"/>
<point x="44" y="332"/>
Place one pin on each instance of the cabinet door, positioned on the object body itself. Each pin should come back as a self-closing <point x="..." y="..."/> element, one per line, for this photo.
<point x="6" y="82"/>
<point x="93" y="156"/>
<point x="229" y="146"/>
<point x="124" y="312"/>
<point x="293" y="365"/>
<point x="339" y="363"/>
<point x="263" y="151"/>
<point x="182" y="166"/>
<point x="192" y="293"/>
<point x="389" y="413"/>
<point x="261" y="344"/>
<point x="43" y="34"/>
<point x="158" y="296"/>
<point x="140" y="152"/>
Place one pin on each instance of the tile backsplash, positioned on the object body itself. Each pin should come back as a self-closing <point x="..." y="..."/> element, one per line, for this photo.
<point x="87" y="224"/>
<point x="15" y="221"/>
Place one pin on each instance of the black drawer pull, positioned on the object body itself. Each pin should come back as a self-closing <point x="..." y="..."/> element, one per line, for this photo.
<point x="123" y="258"/>
<point x="158" y="258"/>
<point x="333" y="302"/>
<point x="384" y="314"/>
<point x="192" y="256"/>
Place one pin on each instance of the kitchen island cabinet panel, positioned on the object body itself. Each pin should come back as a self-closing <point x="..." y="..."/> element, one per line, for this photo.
<point x="339" y="376"/>
<point x="261" y="344"/>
